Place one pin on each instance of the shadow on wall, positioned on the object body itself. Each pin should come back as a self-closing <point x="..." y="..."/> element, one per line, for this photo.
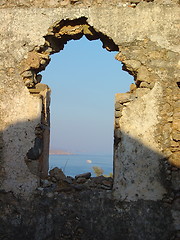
<point x="139" y="171"/>
<point x="74" y="215"/>
<point x="21" y="159"/>
<point x="137" y="168"/>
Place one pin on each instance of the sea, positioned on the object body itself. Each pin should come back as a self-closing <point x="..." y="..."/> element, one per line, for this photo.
<point x="73" y="165"/>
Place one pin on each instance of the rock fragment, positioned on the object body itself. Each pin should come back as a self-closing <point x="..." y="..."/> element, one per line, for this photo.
<point x="84" y="175"/>
<point x="57" y="173"/>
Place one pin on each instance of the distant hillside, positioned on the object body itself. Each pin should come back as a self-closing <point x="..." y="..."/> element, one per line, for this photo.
<point x="59" y="152"/>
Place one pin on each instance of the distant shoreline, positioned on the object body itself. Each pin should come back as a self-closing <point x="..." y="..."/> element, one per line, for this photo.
<point x="59" y="152"/>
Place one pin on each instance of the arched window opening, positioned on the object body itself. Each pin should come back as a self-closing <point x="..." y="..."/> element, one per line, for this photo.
<point x="83" y="79"/>
<point x="89" y="115"/>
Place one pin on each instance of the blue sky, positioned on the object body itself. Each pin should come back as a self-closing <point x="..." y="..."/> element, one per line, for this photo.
<point x="84" y="78"/>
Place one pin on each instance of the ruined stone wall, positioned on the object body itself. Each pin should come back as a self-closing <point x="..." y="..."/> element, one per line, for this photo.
<point x="144" y="122"/>
<point x="146" y="138"/>
<point x="79" y="3"/>
<point x="91" y="215"/>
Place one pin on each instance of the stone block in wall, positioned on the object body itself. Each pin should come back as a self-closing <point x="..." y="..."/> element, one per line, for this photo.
<point x="118" y="114"/>
<point x="123" y="97"/>
<point x="132" y="65"/>
<point x="176" y="135"/>
<point x="118" y="106"/>
<point x="144" y="75"/>
<point x="133" y="87"/>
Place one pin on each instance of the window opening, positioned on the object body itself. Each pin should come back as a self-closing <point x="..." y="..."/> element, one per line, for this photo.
<point x="84" y="79"/>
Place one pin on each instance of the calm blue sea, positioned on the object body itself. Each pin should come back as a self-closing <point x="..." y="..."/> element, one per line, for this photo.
<point x="77" y="164"/>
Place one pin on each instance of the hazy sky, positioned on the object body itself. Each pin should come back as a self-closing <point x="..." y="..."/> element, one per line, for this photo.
<point x="84" y="78"/>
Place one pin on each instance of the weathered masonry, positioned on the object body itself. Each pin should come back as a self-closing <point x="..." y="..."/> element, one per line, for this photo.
<point x="144" y="203"/>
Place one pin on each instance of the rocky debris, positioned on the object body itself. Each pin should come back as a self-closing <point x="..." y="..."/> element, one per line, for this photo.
<point x="57" y="174"/>
<point x="57" y="181"/>
<point x="69" y="179"/>
<point x="81" y="180"/>
<point x="84" y="175"/>
<point x="101" y="182"/>
<point x="79" y="187"/>
<point x="45" y="183"/>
